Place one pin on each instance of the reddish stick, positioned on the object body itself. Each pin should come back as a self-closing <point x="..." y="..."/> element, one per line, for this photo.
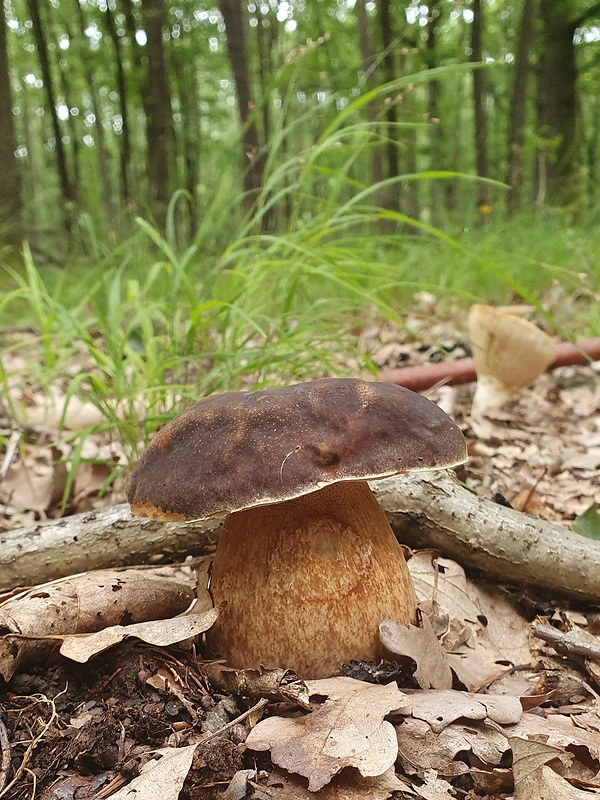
<point x="462" y="370"/>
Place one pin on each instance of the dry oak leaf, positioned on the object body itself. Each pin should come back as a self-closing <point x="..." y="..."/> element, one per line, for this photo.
<point x="162" y="779"/>
<point x="159" y="632"/>
<point x="351" y="786"/>
<point x="423" y="647"/>
<point x="453" y="751"/>
<point x="348" y="730"/>
<point x="535" y="780"/>
<point x="84" y="603"/>
<point x="441" y="707"/>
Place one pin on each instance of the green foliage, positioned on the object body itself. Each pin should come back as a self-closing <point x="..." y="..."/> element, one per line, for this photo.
<point x="588" y="523"/>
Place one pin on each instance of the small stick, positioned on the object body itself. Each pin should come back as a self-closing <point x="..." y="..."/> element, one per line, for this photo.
<point x="5" y="762"/>
<point x="575" y="642"/>
<point x="11" y="449"/>
<point x="255" y="708"/>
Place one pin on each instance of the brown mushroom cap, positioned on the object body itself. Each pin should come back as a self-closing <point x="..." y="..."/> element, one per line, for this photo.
<point x="237" y="450"/>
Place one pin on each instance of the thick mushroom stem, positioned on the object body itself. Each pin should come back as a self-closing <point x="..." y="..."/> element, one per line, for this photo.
<point x="305" y="583"/>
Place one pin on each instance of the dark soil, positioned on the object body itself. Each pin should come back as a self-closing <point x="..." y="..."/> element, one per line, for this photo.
<point x="105" y="720"/>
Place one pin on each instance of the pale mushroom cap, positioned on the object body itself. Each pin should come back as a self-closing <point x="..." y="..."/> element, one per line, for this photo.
<point x="510" y="350"/>
<point x="241" y="449"/>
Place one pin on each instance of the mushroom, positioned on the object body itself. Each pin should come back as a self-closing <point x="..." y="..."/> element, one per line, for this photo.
<point x="307" y="564"/>
<point x="510" y="353"/>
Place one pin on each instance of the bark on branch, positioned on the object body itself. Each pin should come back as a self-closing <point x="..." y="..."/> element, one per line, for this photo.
<point x="426" y="510"/>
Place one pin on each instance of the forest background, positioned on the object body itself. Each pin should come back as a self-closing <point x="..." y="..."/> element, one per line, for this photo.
<point x="216" y="196"/>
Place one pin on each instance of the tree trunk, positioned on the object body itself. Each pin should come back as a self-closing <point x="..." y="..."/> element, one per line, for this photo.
<point x="389" y="74"/>
<point x="367" y="55"/>
<point x="484" y="197"/>
<point x="158" y="111"/>
<point x="558" y="103"/>
<point x="189" y="108"/>
<point x="516" y="135"/>
<point x="125" y="150"/>
<point x="61" y="159"/>
<point x="10" y="176"/>
<point x="108" y="211"/>
<point x="436" y="136"/>
<point x="237" y="48"/>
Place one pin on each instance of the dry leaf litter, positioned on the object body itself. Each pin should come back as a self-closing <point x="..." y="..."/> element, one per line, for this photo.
<point x="470" y="705"/>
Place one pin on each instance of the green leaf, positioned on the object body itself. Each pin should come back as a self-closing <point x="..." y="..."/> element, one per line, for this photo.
<point x="588" y="523"/>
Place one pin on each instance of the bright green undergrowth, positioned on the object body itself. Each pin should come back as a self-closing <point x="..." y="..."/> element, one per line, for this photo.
<point x="143" y="328"/>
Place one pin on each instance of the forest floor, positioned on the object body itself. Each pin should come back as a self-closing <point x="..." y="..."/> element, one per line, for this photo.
<point x="76" y="731"/>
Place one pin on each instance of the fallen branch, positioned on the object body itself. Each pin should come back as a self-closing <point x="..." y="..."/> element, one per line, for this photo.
<point x="432" y="509"/>
<point x="462" y="370"/>
<point x="99" y="539"/>
<point x="425" y="509"/>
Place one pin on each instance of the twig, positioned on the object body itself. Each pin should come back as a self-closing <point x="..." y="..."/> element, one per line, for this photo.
<point x="11" y="449"/>
<point x="5" y="762"/>
<point x="572" y="643"/>
<point x="255" y="709"/>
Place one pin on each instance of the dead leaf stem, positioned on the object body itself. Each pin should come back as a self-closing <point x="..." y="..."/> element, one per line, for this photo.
<point x="5" y="761"/>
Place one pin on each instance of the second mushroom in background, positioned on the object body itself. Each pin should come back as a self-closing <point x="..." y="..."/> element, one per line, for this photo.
<point x="307" y="565"/>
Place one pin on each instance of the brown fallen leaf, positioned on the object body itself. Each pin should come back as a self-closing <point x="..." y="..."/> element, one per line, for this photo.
<point x="276" y="684"/>
<point x="451" y="752"/>
<point x="162" y="778"/>
<point x="486" y="631"/>
<point x="423" y="647"/>
<point x="435" y="788"/>
<point x="535" y="780"/>
<point x="36" y="482"/>
<point x="441" y="707"/>
<point x="85" y="603"/>
<point x="347" y="730"/>
<point x="160" y="632"/>
<point x="347" y="786"/>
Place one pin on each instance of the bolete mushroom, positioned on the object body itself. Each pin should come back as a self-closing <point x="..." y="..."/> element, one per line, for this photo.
<point x="510" y="353"/>
<point x="307" y="565"/>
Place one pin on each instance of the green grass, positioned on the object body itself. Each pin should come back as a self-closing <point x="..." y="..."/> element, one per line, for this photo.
<point x="148" y="326"/>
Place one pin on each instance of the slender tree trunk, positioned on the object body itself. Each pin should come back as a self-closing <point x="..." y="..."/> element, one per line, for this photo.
<point x="234" y="18"/>
<point x="368" y="67"/>
<point x="158" y="110"/>
<point x="433" y="98"/>
<point x="558" y="103"/>
<point x="189" y="108"/>
<point x="108" y="206"/>
<point x="125" y="150"/>
<point x="389" y="73"/>
<point x="61" y="159"/>
<point x="137" y="81"/>
<point x="10" y="176"/>
<point x="480" y="113"/>
<point x="516" y="136"/>
<point x="65" y="88"/>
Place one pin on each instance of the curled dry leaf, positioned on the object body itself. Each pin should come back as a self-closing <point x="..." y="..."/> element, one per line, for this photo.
<point x="441" y="707"/>
<point x="347" y="786"/>
<point x="160" y="779"/>
<point x="486" y="631"/>
<point x="423" y="647"/>
<point x="435" y="788"/>
<point x="347" y="730"/>
<point x="451" y="752"/>
<point x="276" y="684"/>
<point x="84" y="603"/>
<point x="535" y="780"/>
<point x="161" y="633"/>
